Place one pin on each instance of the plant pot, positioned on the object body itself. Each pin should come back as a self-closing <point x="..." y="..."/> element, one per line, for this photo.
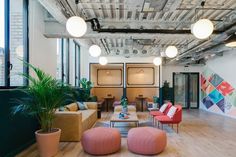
<point x="48" y="143"/>
<point x="125" y="109"/>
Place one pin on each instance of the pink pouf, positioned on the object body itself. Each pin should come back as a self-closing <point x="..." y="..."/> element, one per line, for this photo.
<point x="146" y="140"/>
<point x="101" y="141"/>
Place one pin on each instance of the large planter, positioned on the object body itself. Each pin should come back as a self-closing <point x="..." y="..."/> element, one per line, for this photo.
<point x="48" y="143"/>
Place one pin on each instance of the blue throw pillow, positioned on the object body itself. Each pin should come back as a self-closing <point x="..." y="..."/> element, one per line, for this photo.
<point x="61" y="109"/>
<point x="82" y="106"/>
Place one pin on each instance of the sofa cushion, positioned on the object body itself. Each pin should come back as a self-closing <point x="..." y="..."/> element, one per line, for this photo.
<point x="171" y="112"/>
<point x="72" y="107"/>
<point x="89" y="117"/>
<point x="82" y="106"/>
<point x="163" y="108"/>
<point x="86" y="114"/>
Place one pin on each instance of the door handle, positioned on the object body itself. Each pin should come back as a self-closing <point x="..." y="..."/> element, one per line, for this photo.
<point x="10" y="66"/>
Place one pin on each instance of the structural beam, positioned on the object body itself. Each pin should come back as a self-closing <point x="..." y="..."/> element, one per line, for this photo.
<point x="54" y="9"/>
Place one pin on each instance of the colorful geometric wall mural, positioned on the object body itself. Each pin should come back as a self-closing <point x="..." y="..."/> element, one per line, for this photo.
<point x="217" y="95"/>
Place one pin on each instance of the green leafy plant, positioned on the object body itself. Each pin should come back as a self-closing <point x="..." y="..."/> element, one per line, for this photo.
<point x="43" y="96"/>
<point x="155" y="99"/>
<point x="166" y="91"/>
<point x="124" y="102"/>
<point x="86" y="87"/>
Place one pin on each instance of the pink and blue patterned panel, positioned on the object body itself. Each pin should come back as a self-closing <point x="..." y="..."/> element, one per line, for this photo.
<point x="217" y="94"/>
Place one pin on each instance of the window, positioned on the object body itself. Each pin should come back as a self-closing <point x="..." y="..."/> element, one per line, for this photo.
<point x="17" y="46"/>
<point x="77" y="64"/>
<point x="13" y="42"/>
<point x="68" y="61"/>
<point x="63" y="60"/>
<point x="72" y="62"/>
<point x="2" y="43"/>
<point x="59" y="59"/>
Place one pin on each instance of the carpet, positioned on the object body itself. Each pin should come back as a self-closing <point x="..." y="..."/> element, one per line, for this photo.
<point x="125" y="127"/>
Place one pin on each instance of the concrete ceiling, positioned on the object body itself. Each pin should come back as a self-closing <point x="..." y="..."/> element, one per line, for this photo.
<point x="159" y="23"/>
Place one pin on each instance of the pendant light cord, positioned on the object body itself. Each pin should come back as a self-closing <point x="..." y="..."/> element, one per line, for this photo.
<point x="203" y="4"/>
<point x="77" y="9"/>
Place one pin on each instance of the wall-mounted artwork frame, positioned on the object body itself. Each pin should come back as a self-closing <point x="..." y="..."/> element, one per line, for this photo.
<point x="141" y="81"/>
<point x="115" y="80"/>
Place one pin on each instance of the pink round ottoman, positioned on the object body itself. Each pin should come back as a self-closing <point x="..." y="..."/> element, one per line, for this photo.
<point x="101" y="141"/>
<point x="146" y="140"/>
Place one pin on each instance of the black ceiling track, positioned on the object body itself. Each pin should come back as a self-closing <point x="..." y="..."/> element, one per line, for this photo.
<point x="160" y="31"/>
<point x="95" y="24"/>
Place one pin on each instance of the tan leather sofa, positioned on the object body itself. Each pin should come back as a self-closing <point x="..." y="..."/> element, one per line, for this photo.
<point x="74" y="122"/>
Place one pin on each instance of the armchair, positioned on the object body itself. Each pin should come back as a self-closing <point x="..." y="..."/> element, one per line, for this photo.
<point x="176" y="119"/>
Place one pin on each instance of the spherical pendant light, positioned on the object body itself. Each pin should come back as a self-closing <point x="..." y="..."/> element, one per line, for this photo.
<point x="95" y="51"/>
<point x="103" y="60"/>
<point x="171" y="51"/>
<point x="202" y="29"/>
<point x="76" y="26"/>
<point x="157" y="61"/>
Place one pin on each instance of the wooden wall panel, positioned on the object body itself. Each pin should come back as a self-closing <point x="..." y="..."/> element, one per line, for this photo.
<point x="140" y="76"/>
<point x="103" y="92"/>
<point x="132" y="93"/>
<point x="109" y="77"/>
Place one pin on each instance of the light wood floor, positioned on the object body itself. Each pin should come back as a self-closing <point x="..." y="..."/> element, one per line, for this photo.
<point x="201" y="134"/>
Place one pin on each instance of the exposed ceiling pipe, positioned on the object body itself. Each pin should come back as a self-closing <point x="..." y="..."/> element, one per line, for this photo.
<point x="95" y="24"/>
<point x="227" y="32"/>
<point x="201" y="58"/>
<point x="163" y="31"/>
<point x="105" y="46"/>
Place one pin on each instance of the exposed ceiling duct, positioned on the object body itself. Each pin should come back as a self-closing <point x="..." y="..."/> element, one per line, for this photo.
<point x="146" y="25"/>
<point x="95" y="24"/>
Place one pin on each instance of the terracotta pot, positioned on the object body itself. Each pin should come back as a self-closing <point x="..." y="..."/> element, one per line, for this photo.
<point x="48" y="143"/>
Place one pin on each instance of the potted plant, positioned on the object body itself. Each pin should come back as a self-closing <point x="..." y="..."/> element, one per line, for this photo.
<point x="166" y="91"/>
<point x="44" y="95"/>
<point x="155" y="102"/>
<point x="85" y="89"/>
<point x="124" y="104"/>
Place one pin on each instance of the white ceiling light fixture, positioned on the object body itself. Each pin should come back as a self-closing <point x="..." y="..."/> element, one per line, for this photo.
<point x="95" y="51"/>
<point x="157" y="61"/>
<point x="202" y="29"/>
<point x="171" y="51"/>
<point x="103" y="60"/>
<point x="231" y="41"/>
<point x="75" y="25"/>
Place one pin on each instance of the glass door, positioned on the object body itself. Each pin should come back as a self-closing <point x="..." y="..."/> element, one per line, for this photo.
<point x="193" y="90"/>
<point x="180" y="85"/>
<point x="186" y="89"/>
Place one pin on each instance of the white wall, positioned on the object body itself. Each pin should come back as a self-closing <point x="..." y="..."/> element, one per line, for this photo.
<point x="167" y="71"/>
<point x="42" y="50"/>
<point x="225" y="66"/>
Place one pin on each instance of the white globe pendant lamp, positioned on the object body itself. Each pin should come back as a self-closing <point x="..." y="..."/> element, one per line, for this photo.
<point x="103" y="60"/>
<point x="202" y="29"/>
<point x="171" y="51"/>
<point x="76" y="26"/>
<point x="95" y="51"/>
<point x="157" y="61"/>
